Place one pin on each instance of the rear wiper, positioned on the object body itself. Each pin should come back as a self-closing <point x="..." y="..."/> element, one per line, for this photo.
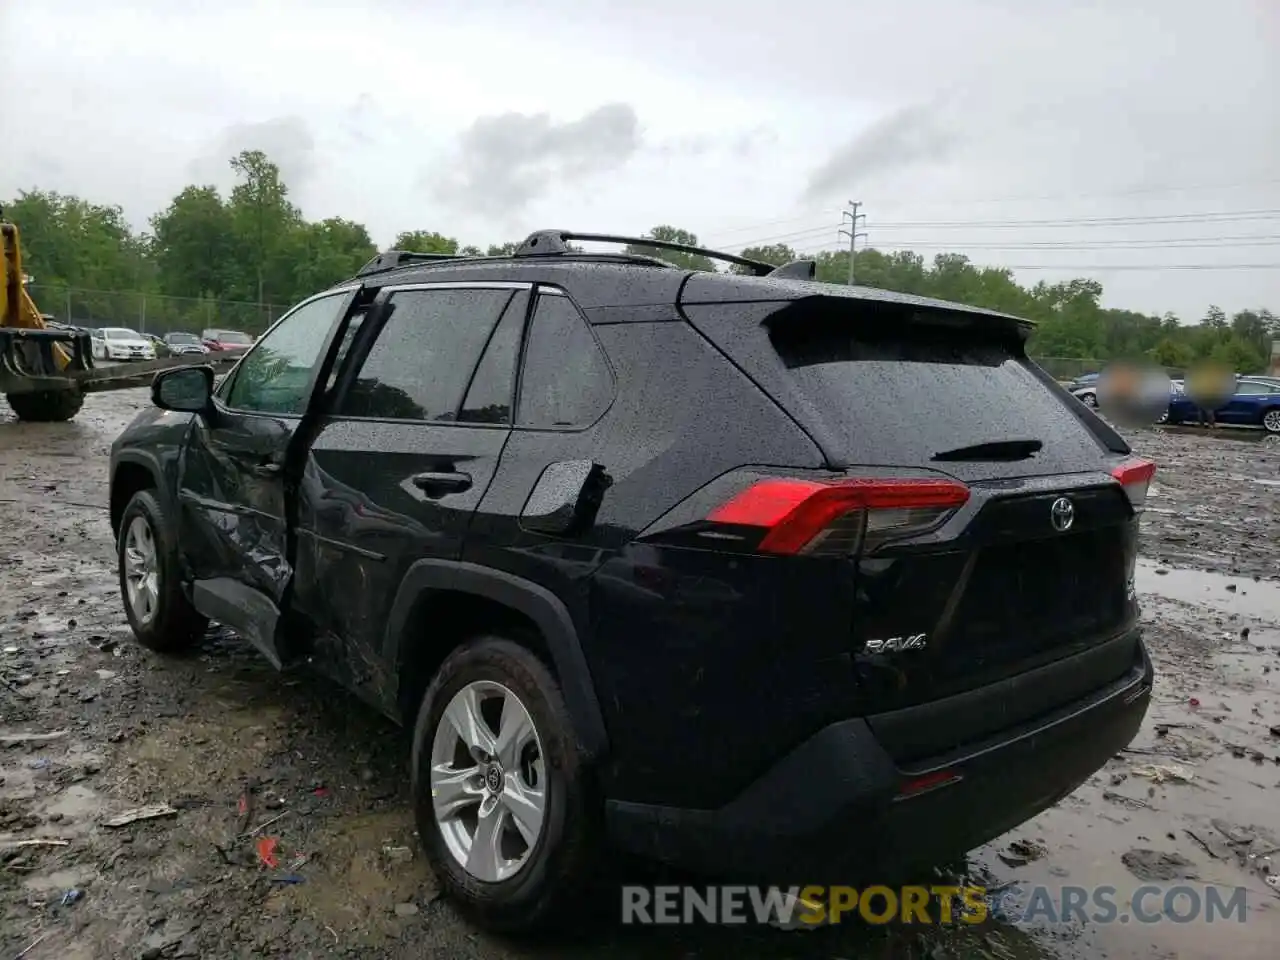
<point x="994" y="450"/>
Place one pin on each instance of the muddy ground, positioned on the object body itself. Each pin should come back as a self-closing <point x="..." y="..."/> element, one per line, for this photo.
<point x="92" y="726"/>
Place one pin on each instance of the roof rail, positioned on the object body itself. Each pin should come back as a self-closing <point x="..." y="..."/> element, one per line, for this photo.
<point x="390" y="259"/>
<point x="544" y="243"/>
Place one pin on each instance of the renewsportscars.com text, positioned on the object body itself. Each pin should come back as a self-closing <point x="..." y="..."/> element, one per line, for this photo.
<point x="935" y="905"/>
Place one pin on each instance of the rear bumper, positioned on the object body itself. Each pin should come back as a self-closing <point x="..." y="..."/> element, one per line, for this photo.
<point x="831" y="811"/>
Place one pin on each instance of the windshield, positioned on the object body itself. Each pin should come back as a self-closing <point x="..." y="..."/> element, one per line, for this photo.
<point x="182" y="338"/>
<point x="121" y="333"/>
<point x="229" y="336"/>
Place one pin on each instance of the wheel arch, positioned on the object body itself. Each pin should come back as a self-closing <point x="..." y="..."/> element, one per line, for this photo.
<point x="466" y="597"/>
<point x="1262" y="414"/>
<point x="131" y="472"/>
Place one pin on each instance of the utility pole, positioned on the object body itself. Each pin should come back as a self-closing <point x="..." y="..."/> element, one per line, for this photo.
<point x="852" y="216"/>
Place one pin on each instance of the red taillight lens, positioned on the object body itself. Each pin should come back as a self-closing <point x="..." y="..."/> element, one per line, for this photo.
<point x="839" y="516"/>
<point x="1135" y="476"/>
<point x="929" y="781"/>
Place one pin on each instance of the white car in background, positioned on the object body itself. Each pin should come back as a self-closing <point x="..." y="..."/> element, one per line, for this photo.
<point x="121" y="343"/>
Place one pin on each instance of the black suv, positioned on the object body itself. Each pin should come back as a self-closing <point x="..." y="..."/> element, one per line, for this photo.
<point x="750" y="574"/>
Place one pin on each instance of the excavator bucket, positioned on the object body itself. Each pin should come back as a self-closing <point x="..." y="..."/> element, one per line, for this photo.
<point x="37" y="364"/>
<point x="46" y="372"/>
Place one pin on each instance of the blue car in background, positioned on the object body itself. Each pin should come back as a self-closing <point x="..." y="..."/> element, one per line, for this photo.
<point x="1256" y="403"/>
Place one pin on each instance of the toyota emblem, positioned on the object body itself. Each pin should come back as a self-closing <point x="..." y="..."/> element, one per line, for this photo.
<point x="1062" y="514"/>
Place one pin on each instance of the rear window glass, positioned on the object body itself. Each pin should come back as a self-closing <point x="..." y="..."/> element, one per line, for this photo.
<point x="903" y="397"/>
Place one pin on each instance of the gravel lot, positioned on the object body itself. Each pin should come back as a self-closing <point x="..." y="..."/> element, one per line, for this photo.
<point x="118" y="728"/>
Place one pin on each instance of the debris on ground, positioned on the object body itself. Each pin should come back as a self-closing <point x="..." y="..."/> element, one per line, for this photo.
<point x="13" y="739"/>
<point x="1163" y="772"/>
<point x="266" y="849"/>
<point x="398" y="854"/>
<point x="1154" y="865"/>
<point x="1021" y="852"/>
<point x="152" y="812"/>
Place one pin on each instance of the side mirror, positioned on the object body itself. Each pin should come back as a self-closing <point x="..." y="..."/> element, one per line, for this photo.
<point x="185" y="390"/>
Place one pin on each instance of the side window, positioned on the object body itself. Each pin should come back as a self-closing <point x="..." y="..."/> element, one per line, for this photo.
<point x="489" y="397"/>
<point x="273" y="377"/>
<point x="566" y="381"/>
<point x="1251" y="388"/>
<point x="422" y="361"/>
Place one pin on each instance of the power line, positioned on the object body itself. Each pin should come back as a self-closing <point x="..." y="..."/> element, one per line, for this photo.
<point x="1102" y="267"/>
<point x="1172" y="244"/>
<point x="1024" y="198"/>
<point x="813" y="233"/>
<point x="1209" y="217"/>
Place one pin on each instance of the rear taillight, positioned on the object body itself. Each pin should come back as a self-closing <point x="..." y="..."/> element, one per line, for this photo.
<point x="838" y="517"/>
<point x="1135" y="476"/>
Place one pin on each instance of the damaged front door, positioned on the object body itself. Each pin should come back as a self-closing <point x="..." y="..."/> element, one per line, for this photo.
<point x="235" y="469"/>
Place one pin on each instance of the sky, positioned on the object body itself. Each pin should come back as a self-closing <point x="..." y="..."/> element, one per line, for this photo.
<point x="1133" y="141"/>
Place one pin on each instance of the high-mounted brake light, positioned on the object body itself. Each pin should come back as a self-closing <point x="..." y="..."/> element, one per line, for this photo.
<point x="839" y="516"/>
<point x="1135" y="476"/>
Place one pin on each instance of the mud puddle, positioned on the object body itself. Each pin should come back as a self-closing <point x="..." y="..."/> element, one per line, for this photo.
<point x="1193" y="803"/>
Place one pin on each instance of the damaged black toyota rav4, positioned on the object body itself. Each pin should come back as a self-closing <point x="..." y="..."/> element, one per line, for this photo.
<point x="767" y="578"/>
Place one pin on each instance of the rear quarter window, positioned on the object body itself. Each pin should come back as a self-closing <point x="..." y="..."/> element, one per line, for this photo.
<point x="566" y="383"/>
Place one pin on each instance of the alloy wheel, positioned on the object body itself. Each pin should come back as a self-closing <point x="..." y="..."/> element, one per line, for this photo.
<point x="488" y="783"/>
<point x="1271" y="420"/>
<point x="141" y="571"/>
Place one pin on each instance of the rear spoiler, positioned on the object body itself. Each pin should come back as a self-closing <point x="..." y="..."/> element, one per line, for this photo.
<point x="885" y="306"/>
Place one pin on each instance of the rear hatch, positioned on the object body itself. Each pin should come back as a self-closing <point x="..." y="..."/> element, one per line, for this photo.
<point x="997" y="586"/>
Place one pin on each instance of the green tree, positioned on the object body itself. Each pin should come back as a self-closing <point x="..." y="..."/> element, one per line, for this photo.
<point x="424" y="241"/>
<point x="774" y="253"/>
<point x="257" y="247"/>
<point x="669" y="234"/>
<point x="325" y="252"/>
<point x="264" y="219"/>
<point x="194" y="244"/>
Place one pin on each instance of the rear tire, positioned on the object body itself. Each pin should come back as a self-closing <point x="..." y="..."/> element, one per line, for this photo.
<point x="1271" y="420"/>
<point x="527" y="884"/>
<point x="1089" y="399"/>
<point x="150" y="578"/>
<point x="46" y="406"/>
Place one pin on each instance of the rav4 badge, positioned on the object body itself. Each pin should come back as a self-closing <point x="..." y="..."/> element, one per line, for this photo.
<point x="912" y="641"/>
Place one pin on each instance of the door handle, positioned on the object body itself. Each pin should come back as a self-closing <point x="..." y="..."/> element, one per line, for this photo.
<point x="268" y="468"/>
<point x="437" y="484"/>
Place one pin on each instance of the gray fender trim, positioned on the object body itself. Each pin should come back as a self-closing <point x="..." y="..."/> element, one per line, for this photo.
<point x="537" y="603"/>
<point x="139" y="458"/>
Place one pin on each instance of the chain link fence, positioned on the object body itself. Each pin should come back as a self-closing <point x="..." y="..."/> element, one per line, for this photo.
<point x="159" y="314"/>
<point x="1068" y="368"/>
<point x="152" y="312"/>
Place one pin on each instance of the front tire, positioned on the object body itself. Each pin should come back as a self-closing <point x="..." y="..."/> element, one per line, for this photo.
<point x="46" y="406"/>
<point x="503" y="799"/>
<point x="150" y="578"/>
<point x="1090" y="399"/>
<point x="1271" y="420"/>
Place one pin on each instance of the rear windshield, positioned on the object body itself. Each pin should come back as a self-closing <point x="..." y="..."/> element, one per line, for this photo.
<point x="903" y="397"/>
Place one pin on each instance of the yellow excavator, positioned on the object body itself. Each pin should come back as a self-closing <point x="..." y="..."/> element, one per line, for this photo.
<point x="45" y="372"/>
